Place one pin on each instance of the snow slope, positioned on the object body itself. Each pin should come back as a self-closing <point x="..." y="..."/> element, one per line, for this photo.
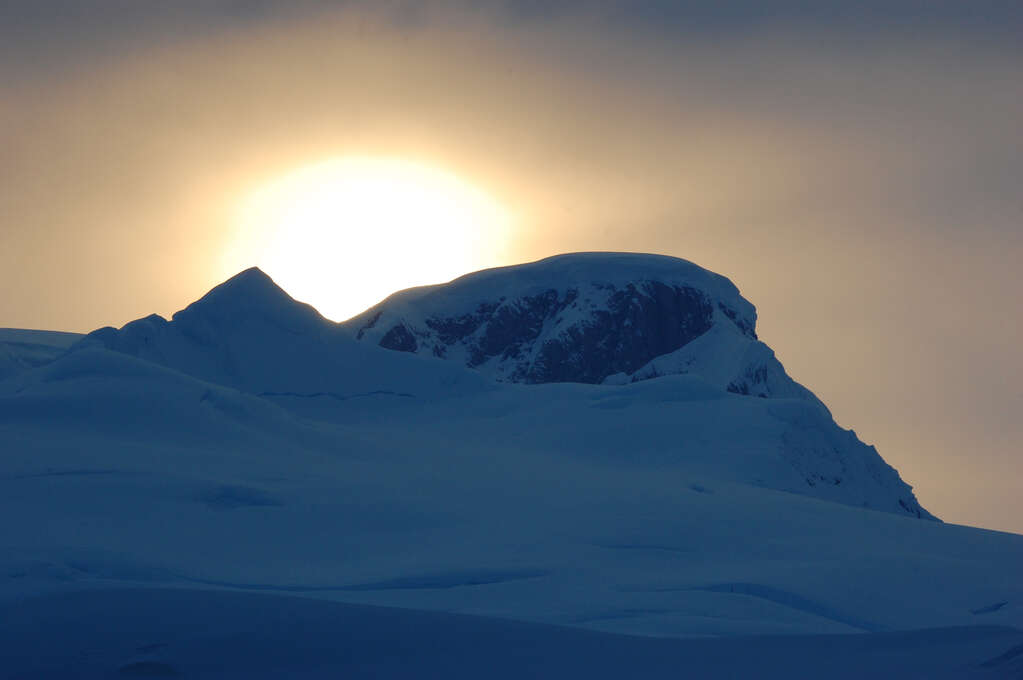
<point x="248" y="446"/>
<point x="566" y="503"/>
<point x="154" y="632"/>
<point x="21" y="349"/>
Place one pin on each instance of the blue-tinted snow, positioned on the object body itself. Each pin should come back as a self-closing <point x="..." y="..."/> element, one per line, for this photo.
<point x="211" y="634"/>
<point x="115" y="468"/>
<point x="22" y="349"/>
<point x="147" y="458"/>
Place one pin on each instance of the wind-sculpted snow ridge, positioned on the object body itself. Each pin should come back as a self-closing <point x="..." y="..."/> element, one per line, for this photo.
<point x="586" y="317"/>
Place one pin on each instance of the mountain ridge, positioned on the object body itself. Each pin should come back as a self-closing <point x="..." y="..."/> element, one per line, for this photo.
<point x="572" y="318"/>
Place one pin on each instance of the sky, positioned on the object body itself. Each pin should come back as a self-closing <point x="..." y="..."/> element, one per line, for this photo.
<point x="853" y="167"/>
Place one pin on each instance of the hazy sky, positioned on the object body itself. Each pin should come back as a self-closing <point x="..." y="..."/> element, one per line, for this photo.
<point x="856" y="171"/>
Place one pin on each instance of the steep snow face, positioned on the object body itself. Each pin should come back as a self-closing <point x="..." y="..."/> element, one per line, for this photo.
<point x="586" y="317"/>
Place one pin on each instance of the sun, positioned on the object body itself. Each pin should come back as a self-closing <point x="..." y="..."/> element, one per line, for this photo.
<point x="345" y="233"/>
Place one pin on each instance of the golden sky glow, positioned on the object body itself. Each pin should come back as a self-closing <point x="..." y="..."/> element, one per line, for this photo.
<point x="344" y="233"/>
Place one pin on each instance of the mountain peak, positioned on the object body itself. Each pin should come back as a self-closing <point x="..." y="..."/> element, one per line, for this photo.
<point x="619" y="318"/>
<point x="250" y="293"/>
<point x="251" y="274"/>
<point x="249" y="287"/>
<point x="577" y="317"/>
<point x="246" y="304"/>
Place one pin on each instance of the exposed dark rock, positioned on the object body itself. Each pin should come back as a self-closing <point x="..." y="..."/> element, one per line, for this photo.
<point x="453" y="329"/>
<point x="642" y="322"/>
<point x="399" y="338"/>
<point x="742" y="323"/>
<point x="369" y="324"/>
<point x="637" y="323"/>
<point x="753" y="381"/>
<point x="513" y="325"/>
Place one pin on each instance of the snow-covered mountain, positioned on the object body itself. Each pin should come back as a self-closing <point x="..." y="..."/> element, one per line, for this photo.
<point x="616" y="318"/>
<point x="586" y="317"/>
<point x="249" y="334"/>
<point x="248" y="444"/>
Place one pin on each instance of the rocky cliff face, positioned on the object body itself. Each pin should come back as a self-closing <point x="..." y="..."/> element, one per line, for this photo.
<point x="545" y="337"/>
<point x="586" y="317"/>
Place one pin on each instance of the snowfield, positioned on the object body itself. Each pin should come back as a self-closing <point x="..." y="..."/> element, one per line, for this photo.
<point x="21" y="349"/>
<point x="249" y="490"/>
<point x="202" y="634"/>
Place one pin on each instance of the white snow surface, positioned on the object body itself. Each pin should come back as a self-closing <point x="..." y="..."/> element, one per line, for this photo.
<point x="250" y="457"/>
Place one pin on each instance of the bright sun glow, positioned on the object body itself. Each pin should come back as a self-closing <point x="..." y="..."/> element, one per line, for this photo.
<point x="343" y="234"/>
